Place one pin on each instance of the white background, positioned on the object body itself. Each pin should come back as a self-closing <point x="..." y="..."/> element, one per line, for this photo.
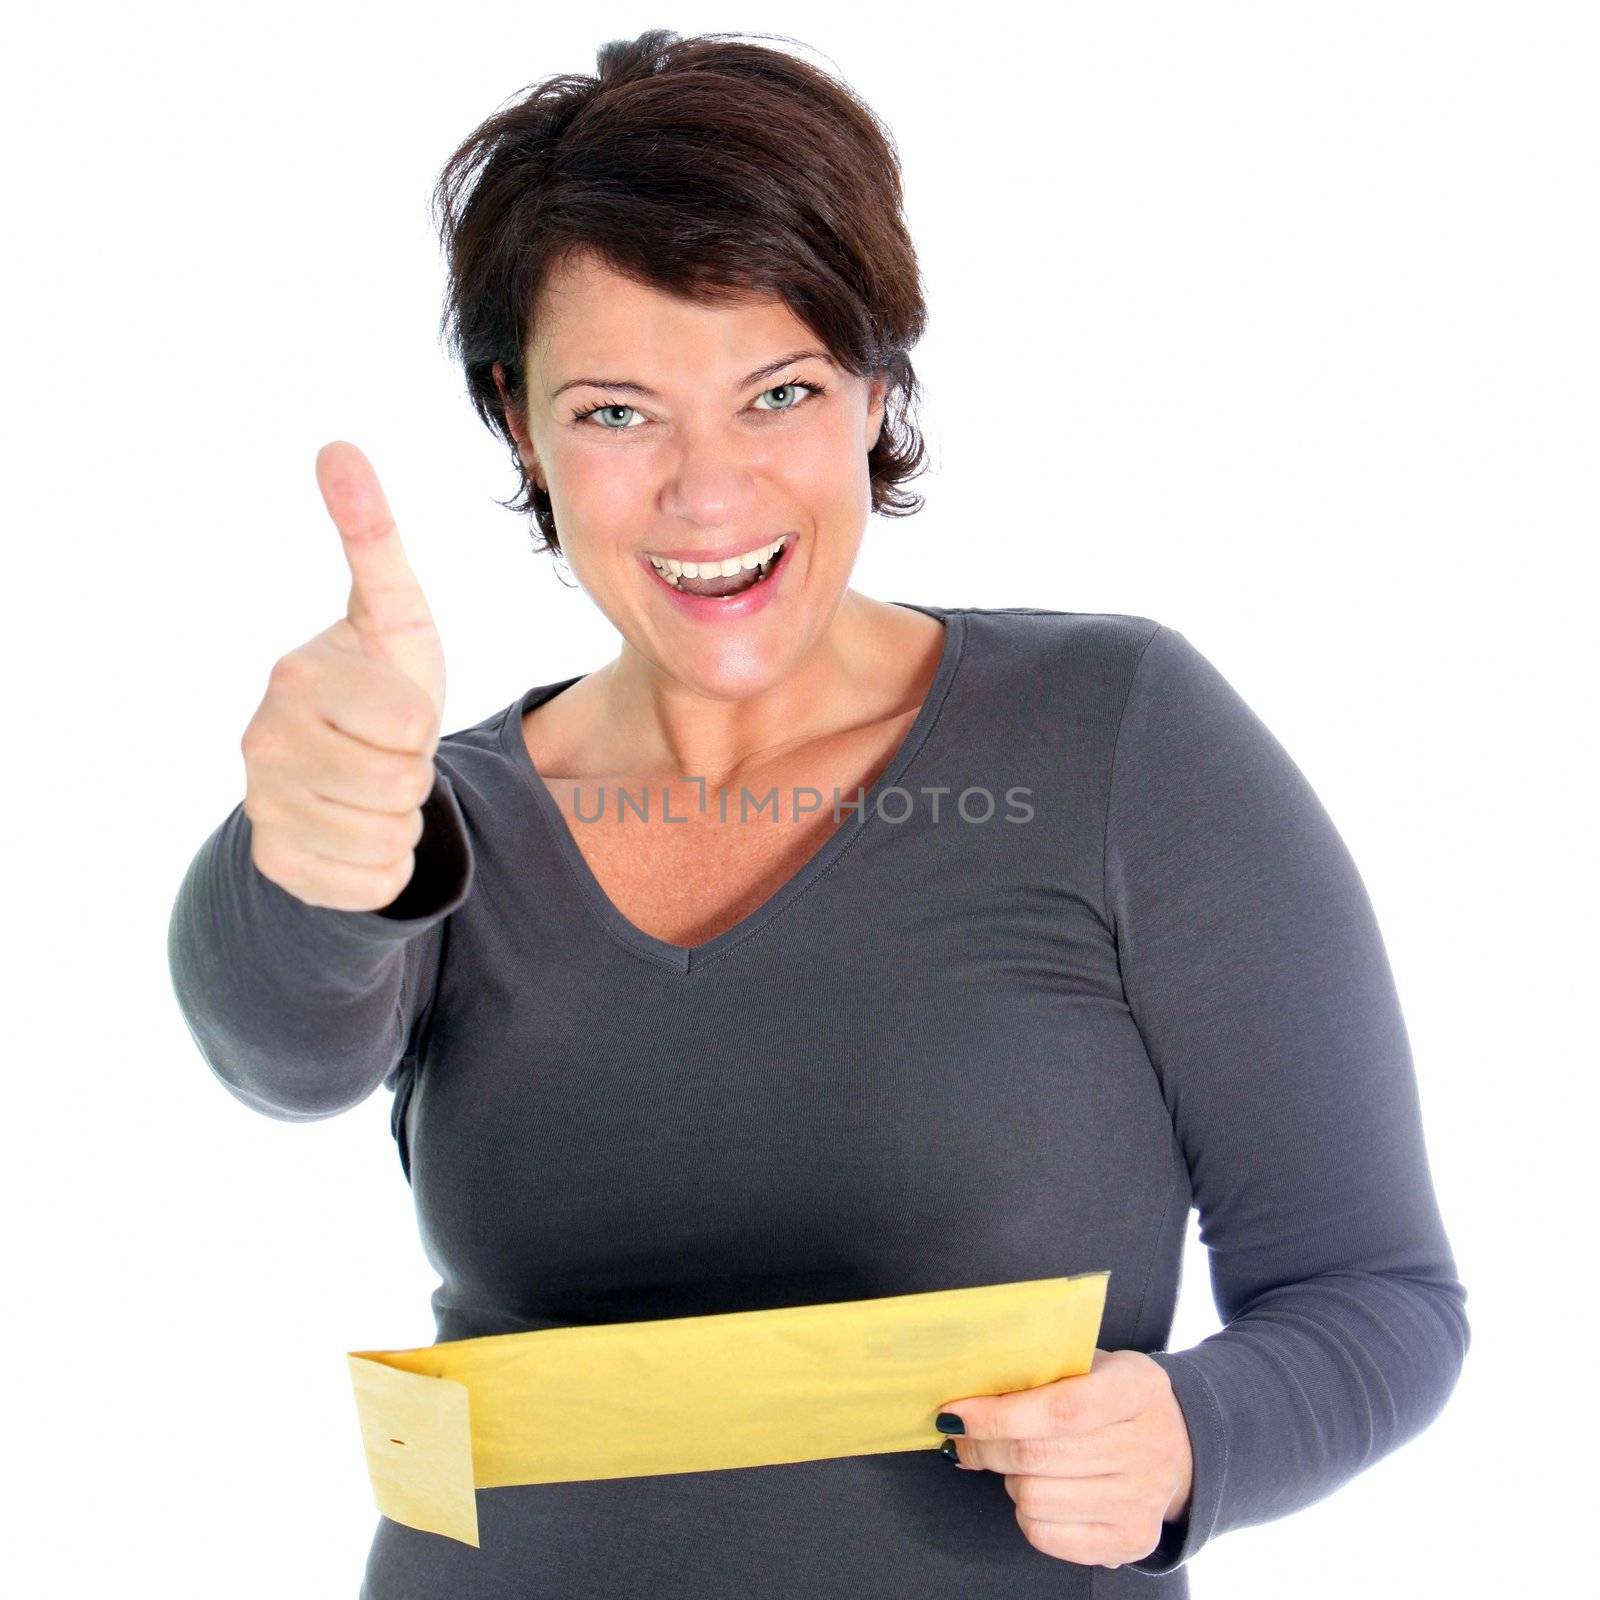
<point x="1274" y="322"/>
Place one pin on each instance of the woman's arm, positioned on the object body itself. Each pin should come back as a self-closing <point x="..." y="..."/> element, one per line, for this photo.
<point x="1256" y="973"/>
<point x="301" y="1010"/>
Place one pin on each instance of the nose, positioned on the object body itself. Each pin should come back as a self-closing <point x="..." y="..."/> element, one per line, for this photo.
<point x="711" y="483"/>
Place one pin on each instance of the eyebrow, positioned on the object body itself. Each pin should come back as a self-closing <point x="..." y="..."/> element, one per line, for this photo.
<point x="629" y="386"/>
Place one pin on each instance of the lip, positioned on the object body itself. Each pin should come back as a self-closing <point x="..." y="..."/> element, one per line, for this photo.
<point x="707" y="608"/>
<point x="713" y="555"/>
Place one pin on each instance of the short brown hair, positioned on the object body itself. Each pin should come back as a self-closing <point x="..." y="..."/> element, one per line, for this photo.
<point x="706" y="167"/>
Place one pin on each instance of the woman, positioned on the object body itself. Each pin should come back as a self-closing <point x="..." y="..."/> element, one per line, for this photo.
<point x="817" y="948"/>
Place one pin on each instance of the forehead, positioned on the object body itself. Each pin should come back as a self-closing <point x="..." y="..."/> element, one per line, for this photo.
<point x="591" y="318"/>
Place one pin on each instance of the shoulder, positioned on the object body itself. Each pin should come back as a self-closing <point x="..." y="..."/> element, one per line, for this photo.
<point x="480" y="736"/>
<point x="1109" y="682"/>
<point x="1136" y="661"/>
<point x="1040" y="635"/>
<point x="473" y="759"/>
<point x="1189" y="740"/>
<point x="1079" y="652"/>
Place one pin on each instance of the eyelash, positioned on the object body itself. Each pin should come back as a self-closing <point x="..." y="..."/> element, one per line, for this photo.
<point x="816" y="389"/>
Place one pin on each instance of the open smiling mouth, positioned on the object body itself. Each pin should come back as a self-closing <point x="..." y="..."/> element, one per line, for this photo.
<point x="710" y="580"/>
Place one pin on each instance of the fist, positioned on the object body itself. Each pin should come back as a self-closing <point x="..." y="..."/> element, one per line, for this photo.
<point x="1096" y="1464"/>
<point x="339" y="754"/>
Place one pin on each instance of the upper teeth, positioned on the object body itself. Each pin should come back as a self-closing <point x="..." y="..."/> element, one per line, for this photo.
<point x="668" y="567"/>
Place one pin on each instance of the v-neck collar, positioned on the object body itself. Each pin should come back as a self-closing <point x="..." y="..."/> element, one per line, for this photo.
<point x="687" y="958"/>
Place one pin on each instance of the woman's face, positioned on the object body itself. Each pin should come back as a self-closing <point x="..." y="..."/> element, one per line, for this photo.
<point x="704" y="437"/>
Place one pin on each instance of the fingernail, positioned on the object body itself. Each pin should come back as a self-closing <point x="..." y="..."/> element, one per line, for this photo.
<point x="949" y="1452"/>
<point x="949" y="1422"/>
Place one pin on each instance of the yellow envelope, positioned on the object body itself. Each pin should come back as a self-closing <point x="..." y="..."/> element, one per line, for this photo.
<point x="696" y="1394"/>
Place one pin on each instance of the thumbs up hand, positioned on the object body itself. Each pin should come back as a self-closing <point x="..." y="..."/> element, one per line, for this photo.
<point x="339" y="754"/>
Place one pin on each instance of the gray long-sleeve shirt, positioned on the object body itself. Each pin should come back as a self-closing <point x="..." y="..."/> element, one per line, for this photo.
<point x="949" y="1051"/>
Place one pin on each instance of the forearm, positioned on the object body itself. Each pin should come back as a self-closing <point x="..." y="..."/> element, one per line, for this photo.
<point x="298" y="1009"/>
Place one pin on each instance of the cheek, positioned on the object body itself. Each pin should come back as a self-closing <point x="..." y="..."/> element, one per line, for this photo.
<point x="599" y="480"/>
<point x="823" y="465"/>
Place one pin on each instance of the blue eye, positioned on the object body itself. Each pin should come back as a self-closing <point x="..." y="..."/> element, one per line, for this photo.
<point x="580" y="416"/>
<point x="815" y="388"/>
<point x="614" y="405"/>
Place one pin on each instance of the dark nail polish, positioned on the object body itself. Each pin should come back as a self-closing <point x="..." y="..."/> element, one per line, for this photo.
<point x="949" y="1422"/>
<point x="948" y="1451"/>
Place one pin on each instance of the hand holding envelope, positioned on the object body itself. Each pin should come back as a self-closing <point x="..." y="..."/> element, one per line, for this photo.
<point x="766" y="1388"/>
<point x="1097" y="1467"/>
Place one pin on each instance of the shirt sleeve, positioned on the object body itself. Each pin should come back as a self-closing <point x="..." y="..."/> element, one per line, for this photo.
<point x="1255" y="971"/>
<point x="301" y="1010"/>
